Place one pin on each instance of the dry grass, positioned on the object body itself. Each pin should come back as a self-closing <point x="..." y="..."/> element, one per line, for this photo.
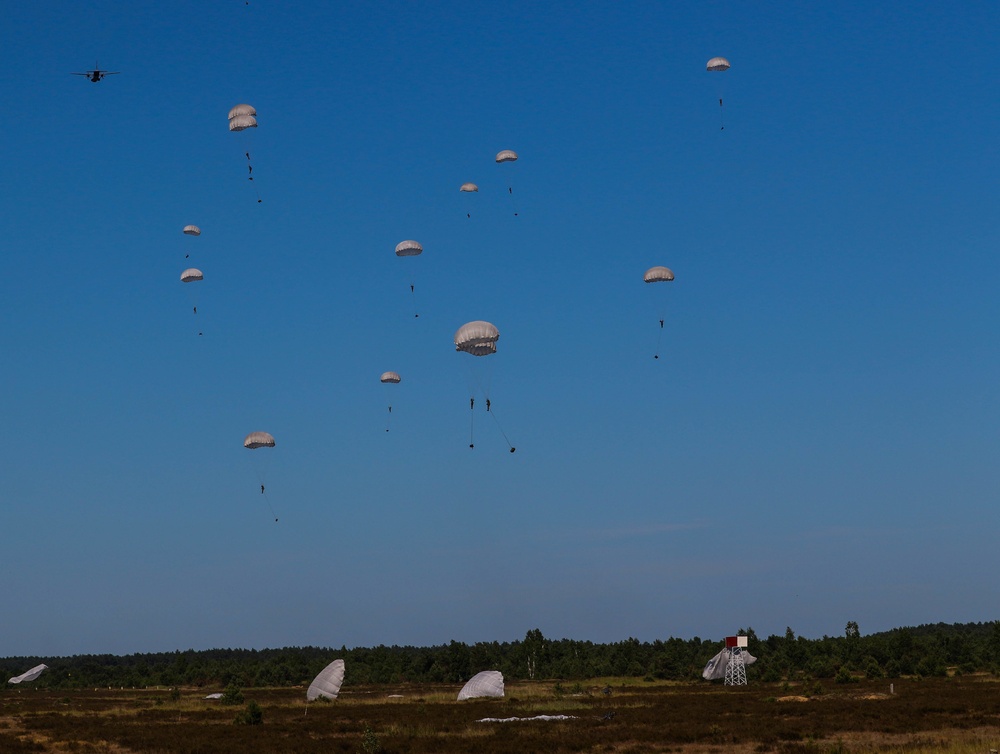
<point x="940" y="716"/>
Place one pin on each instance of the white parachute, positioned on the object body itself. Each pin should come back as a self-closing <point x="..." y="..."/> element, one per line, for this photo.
<point x="255" y="441"/>
<point x="478" y="338"/>
<point x="409" y="249"/>
<point x="392" y="377"/>
<point x="191" y="275"/>
<point x="258" y="440"/>
<point x="487" y="683"/>
<point x="468" y="187"/>
<point x="715" y="670"/>
<point x="506" y="155"/>
<point x="327" y="684"/>
<point x="192" y="230"/>
<point x="29" y="675"/>
<point x="242" y="117"/>
<point x="717" y="64"/>
<point x="658" y="275"/>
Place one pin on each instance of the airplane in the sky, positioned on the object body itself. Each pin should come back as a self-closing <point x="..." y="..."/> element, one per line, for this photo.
<point x="97" y="74"/>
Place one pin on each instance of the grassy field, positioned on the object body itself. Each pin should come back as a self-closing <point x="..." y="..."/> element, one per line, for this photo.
<point x="947" y="716"/>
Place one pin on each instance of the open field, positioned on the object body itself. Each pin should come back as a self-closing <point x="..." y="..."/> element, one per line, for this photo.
<point x="946" y="715"/>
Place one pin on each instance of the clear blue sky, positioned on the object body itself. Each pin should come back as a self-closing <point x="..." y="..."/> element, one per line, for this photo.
<point x="817" y="443"/>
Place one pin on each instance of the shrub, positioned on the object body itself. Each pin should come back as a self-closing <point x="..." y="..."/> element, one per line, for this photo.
<point x="232" y="695"/>
<point x="251" y="715"/>
<point x="369" y="742"/>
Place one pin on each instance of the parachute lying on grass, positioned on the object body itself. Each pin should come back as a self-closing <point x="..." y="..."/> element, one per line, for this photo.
<point x="327" y="684"/>
<point x="29" y="675"/>
<point x="487" y="683"/>
<point x="715" y="670"/>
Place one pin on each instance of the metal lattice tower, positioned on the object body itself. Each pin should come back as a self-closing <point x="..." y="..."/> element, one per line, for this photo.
<point x="736" y="670"/>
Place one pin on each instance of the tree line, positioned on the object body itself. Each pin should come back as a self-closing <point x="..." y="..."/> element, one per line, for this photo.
<point x="927" y="650"/>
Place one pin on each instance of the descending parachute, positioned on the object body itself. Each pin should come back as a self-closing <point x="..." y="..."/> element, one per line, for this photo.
<point x="410" y="249"/>
<point x="508" y="155"/>
<point x="469" y="188"/>
<point x="258" y="440"/>
<point x="192" y="230"/>
<point x="255" y="441"/>
<point x="719" y="65"/>
<point x="658" y="275"/>
<point x="192" y="275"/>
<point x="242" y="117"/>
<point x="389" y="378"/>
<point x="479" y="338"/>
<point x="487" y="683"/>
<point x="327" y="684"/>
<point x="29" y="675"/>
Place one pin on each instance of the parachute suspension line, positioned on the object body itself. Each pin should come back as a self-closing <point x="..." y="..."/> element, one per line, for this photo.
<point x="269" y="506"/>
<point x="413" y="295"/>
<point x="387" y="419"/>
<point x="492" y="413"/>
<point x="472" y="422"/>
<point x="250" y="177"/>
<point x="722" y="119"/>
<point x="659" y="338"/>
<point x="513" y="204"/>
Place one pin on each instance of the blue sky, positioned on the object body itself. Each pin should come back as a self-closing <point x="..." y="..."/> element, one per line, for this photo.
<point x="815" y="445"/>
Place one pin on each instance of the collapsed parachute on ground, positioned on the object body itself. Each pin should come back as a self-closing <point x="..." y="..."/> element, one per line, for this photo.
<point x="192" y="230"/>
<point x="467" y="187"/>
<point x="487" y="683"/>
<point x="392" y="377"/>
<point x="716" y="668"/>
<point x="328" y="682"/>
<point x="717" y="64"/>
<point x="29" y="675"/>
<point x="258" y="440"/>
<point x="191" y="274"/>
<point x="658" y="275"/>
<point x="409" y="249"/>
<point x="478" y="338"/>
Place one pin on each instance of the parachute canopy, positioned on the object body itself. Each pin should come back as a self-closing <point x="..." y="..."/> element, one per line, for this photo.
<point x="478" y="338"/>
<point x="241" y="122"/>
<point x="716" y="667"/>
<point x="240" y="110"/>
<point x="408" y="249"/>
<point x="717" y="64"/>
<point x="507" y="155"/>
<point x="328" y="682"/>
<point x="190" y="275"/>
<point x="392" y="377"/>
<point x="192" y="230"/>
<point x="487" y="683"/>
<point x="658" y="275"/>
<point x="468" y="187"/>
<point x="29" y="675"/>
<point x="258" y="440"/>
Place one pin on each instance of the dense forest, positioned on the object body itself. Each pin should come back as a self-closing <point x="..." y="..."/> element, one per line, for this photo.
<point x="928" y="650"/>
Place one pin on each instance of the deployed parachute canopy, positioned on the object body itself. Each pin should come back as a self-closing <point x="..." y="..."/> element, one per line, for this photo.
<point x="242" y="110"/>
<point x="408" y="249"/>
<point x="478" y="338"/>
<point x="392" y="377"/>
<point x="258" y="440"/>
<point x="29" y="675"/>
<point x="658" y="275"/>
<point x="191" y="274"/>
<point x="328" y="682"/>
<point x="506" y="155"/>
<point x="468" y="187"/>
<point x="192" y="230"/>
<point x="487" y="683"/>
<point x="717" y="64"/>
<point x="242" y="117"/>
